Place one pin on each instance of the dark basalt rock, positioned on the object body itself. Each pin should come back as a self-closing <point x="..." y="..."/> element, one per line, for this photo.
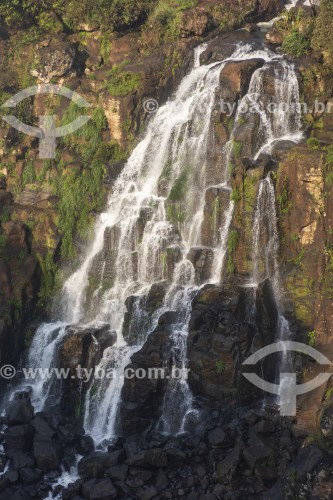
<point x="20" y="412"/>
<point x="202" y="260"/>
<point x="142" y="398"/>
<point x="47" y="452"/>
<point x="101" y="490"/>
<point x="94" y="465"/>
<point x="81" y="346"/>
<point x="18" y="437"/>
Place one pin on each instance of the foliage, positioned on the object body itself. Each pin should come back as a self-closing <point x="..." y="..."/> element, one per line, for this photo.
<point x="313" y="143"/>
<point x="167" y="16"/>
<point x="28" y="174"/>
<point x="237" y="148"/>
<point x="81" y="192"/>
<point x="4" y="215"/>
<point x="220" y="366"/>
<point x="236" y="195"/>
<point x="233" y="240"/>
<point x="123" y="83"/>
<point x="3" y="242"/>
<point x="296" y="44"/>
<point x="49" y="14"/>
<point x="49" y="269"/>
<point x="312" y="338"/>
<point x="328" y="165"/>
<point x="298" y="259"/>
<point x="284" y="197"/>
<point x="322" y="38"/>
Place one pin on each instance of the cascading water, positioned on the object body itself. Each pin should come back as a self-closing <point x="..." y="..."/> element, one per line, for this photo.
<point x="156" y="206"/>
<point x="265" y="263"/>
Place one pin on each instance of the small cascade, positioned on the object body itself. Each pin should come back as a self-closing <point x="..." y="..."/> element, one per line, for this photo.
<point x="43" y="356"/>
<point x="265" y="236"/>
<point x="178" y="401"/>
<point x="265" y="263"/>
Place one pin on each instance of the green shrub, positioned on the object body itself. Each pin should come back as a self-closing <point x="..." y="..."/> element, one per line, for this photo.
<point x="168" y="15"/>
<point x="322" y="38"/>
<point x="296" y="44"/>
<point x="28" y="174"/>
<point x="123" y="83"/>
<point x="313" y="143"/>
<point x="312" y="338"/>
<point x="3" y="242"/>
<point x="233" y="240"/>
<point x="236" y="195"/>
<point x="237" y="148"/>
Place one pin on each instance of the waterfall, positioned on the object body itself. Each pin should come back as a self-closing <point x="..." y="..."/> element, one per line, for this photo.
<point x="265" y="264"/>
<point x="157" y="206"/>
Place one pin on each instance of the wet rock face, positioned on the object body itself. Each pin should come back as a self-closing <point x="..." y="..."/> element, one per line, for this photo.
<point x="202" y="260"/>
<point x="216" y="205"/>
<point x="235" y="78"/>
<point x="142" y="398"/>
<point x="81" y="347"/>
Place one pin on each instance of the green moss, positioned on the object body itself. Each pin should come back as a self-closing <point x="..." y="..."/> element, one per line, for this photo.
<point x="28" y="174"/>
<point x="167" y="171"/>
<point x="81" y="193"/>
<point x="296" y="44"/>
<point x="237" y="148"/>
<point x="236" y="195"/>
<point x="312" y="338"/>
<point x="179" y="189"/>
<point x="298" y="259"/>
<point x="312" y="143"/>
<point x="48" y="283"/>
<point x="233" y="240"/>
<point x="220" y="367"/>
<point x="284" y="198"/>
<point x="121" y="83"/>
<point x="167" y="15"/>
<point x="105" y="46"/>
<point x="231" y="268"/>
<point x="175" y="214"/>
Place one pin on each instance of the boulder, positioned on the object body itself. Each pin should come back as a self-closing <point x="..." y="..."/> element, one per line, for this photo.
<point x="95" y="464"/>
<point x="18" y="437"/>
<point x="99" y="489"/>
<point x="154" y="457"/>
<point x="217" y="437"/>
<point x="256" y="454"/>
<point x="29" y="475"/>
<point x="20" y="412"/>
<point x="21" y="459"/>
<point x="47" y="452"/>
<point x="117" y="472"/>
<point x="226" y="469"/>
<point x="53" y="61"/>
<point x="85" y="445"/>
<point x="235" y="78"/>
